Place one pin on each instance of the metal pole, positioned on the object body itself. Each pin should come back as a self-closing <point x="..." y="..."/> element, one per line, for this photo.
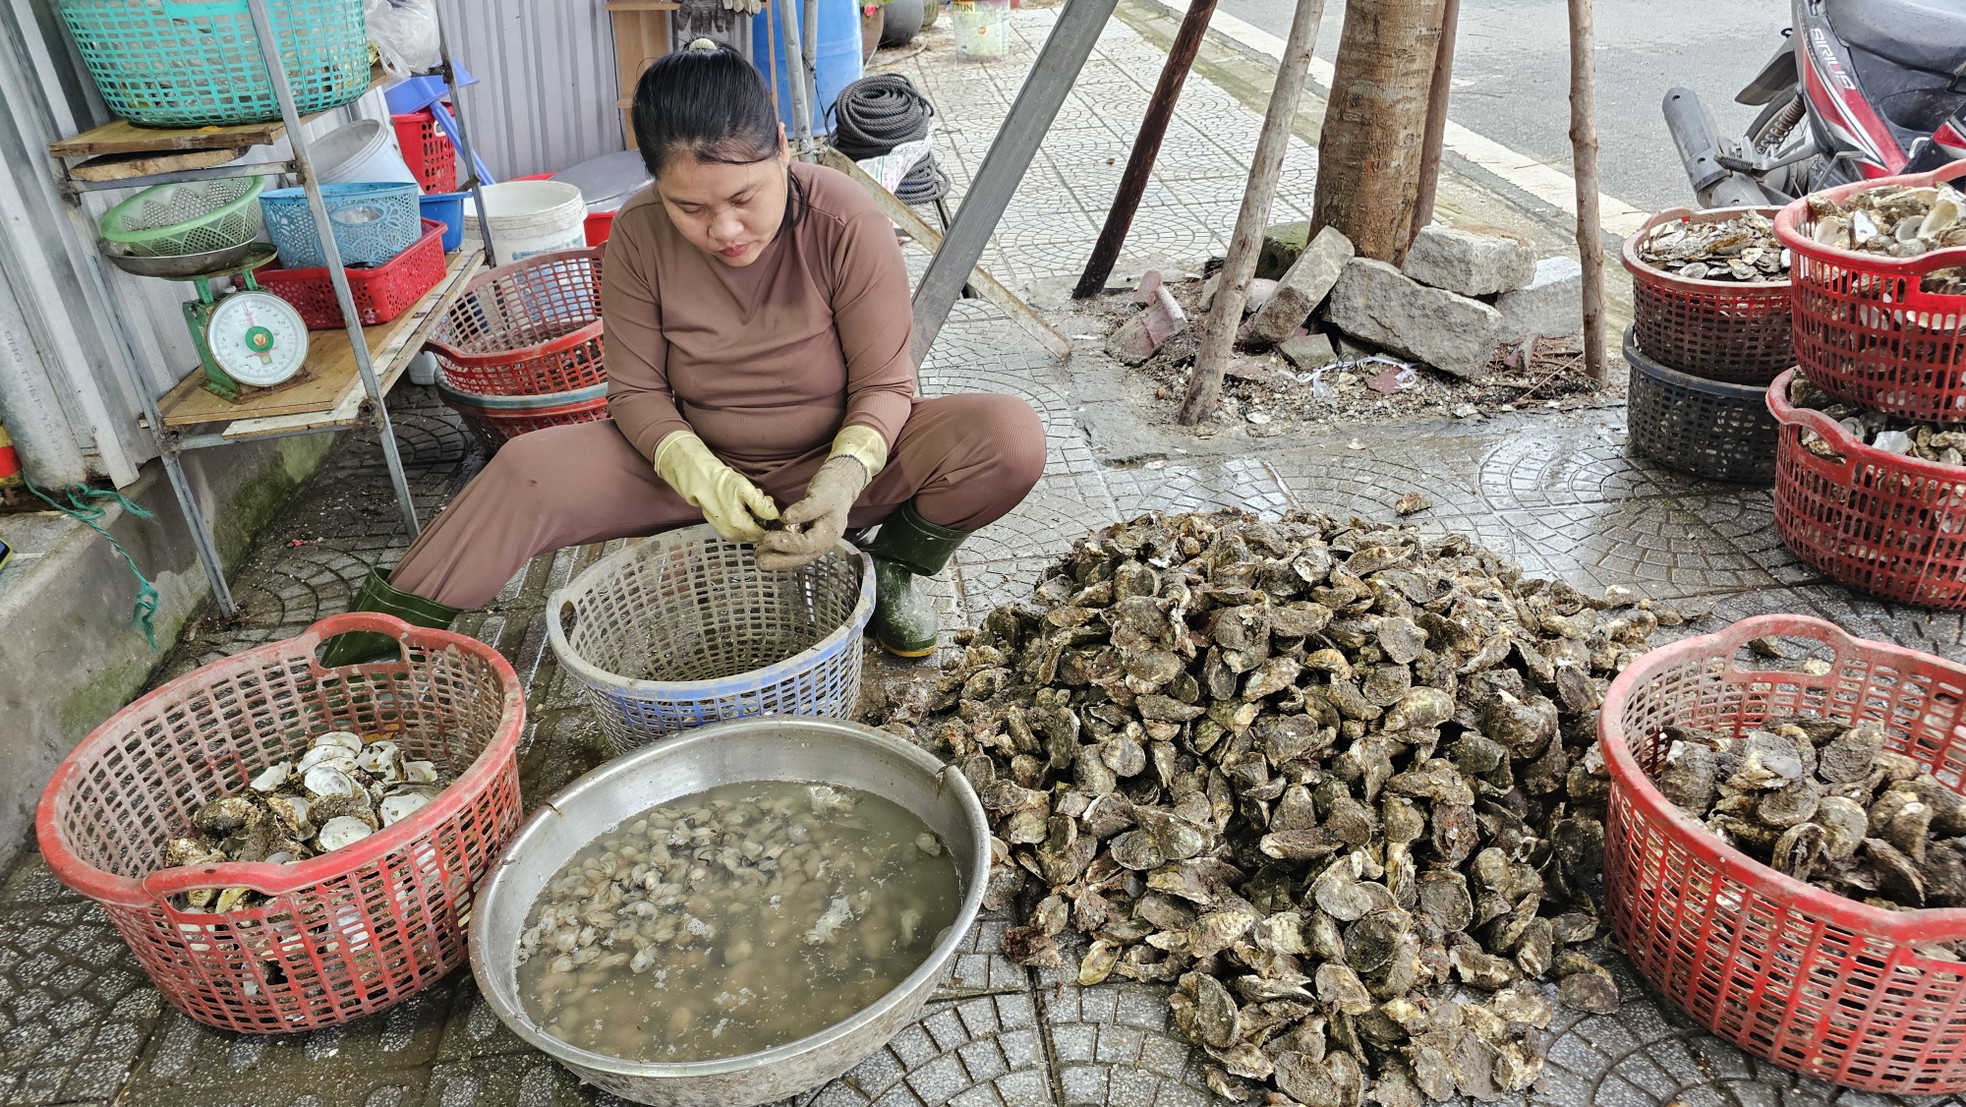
<point x="1059" y="61"/>
<point x="464" y="148"/>
<point x="269" y="49"/>
<point x="1146" y="147"/>
<point x="809" y="37"/>
<point x="1423" y="205"/>
<point x="1218" y="336"/>
<point x="1583" y="146"/>
<point x="795" y="81"/>
<point x="194" y="517"/>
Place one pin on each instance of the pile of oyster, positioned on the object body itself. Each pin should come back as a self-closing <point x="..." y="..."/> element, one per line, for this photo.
<point x="1338" y="784"/>
<point x="343" y="789"/>
<point x="1740" y="249"/>
<point x="1827" y="804"/>
<point x="1897" y="221"/>
<point x="1945" y="445"/>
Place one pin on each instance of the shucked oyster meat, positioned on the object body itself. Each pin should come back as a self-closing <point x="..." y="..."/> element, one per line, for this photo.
<point x="1311" y="774"/>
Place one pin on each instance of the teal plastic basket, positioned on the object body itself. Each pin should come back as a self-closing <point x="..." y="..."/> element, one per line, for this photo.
<point x="373" y="222"/>
<point x="196" y="63"/>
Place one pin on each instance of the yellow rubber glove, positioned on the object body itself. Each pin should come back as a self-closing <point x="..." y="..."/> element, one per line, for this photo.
<point x="814" y="524"/>
<point x="733" y="505"/>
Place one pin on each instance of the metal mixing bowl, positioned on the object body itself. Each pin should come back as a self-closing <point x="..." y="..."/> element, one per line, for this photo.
<point x="818" y="751"/>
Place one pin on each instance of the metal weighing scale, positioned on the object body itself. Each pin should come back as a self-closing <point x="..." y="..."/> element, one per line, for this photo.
<point x="248" y="339"/>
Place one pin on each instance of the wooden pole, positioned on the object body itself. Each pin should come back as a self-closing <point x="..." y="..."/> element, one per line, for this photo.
<point x="1583" y="144"/>
<point x="1146" y="147"/>
<point x="1232" y="291"/>
<point x="1423" y="206"/>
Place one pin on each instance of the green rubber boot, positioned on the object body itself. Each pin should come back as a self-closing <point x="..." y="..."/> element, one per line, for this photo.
<point x="908" y="546"/>
<point x="376" y="595"/>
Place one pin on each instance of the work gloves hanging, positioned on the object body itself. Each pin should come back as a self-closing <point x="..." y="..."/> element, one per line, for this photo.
<point x="733" y="505"/>
<point x="815" y="524"/>
<point x="744" y="7"/>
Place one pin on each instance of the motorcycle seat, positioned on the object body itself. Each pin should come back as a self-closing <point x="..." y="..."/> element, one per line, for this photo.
<point x="1923" y="34"/>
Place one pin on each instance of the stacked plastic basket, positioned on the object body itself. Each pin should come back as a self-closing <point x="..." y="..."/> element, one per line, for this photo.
<point x="1869" y="334"/>
<point x="521" y="350"/>
<point x="1701" y="355"/>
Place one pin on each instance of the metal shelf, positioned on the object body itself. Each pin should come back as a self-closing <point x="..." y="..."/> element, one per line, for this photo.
<point x="351" y="389"/>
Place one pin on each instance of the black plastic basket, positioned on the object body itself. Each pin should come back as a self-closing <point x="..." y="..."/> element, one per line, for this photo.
<point x="1708" y="428"/>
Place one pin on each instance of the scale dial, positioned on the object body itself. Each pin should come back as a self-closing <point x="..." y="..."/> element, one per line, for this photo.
<point x="257" y="338"/>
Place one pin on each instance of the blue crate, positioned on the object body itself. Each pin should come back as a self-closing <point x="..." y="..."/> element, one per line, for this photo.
<point x="372" y="223"/>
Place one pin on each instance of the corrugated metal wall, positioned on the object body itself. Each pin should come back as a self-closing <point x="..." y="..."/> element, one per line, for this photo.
<point x="546" y="93"/>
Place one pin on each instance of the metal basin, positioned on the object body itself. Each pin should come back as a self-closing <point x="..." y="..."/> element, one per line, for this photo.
<point x="819" y="751"/>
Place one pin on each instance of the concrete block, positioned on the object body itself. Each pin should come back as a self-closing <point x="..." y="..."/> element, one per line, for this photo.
<point x="1304" y="287"/>
<point x="1282" y="242"/>
<point x="1551" y="305"/>
<point x="1140" y="336"/>
<point x="1254" y="297"/>
<point x="1470" y="262"/>
<point x="1378" y="304"/>
<point x="1307" y="352"/>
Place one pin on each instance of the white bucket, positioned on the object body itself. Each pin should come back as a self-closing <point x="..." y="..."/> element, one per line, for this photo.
<point x="529" y="217"/>
<point x="362" y="152"/>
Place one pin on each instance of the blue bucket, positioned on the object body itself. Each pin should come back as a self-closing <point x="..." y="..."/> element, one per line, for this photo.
<point x="446" y="208"/>
<point x="836" y="66"/>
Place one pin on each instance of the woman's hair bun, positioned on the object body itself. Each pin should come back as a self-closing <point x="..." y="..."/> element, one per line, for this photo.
<point x="702" y="44"/>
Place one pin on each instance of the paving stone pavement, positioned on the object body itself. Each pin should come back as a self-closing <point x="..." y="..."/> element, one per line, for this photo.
<point x="79" y="1024"/>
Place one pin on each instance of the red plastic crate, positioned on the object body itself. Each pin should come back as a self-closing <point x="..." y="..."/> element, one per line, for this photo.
<point x="1816" y="983"/>
<point x="381" y="293"/>
<point x="1865" y="331"/>
<point x="1882" y="523"/>
<point x="427" y="150"/>
<point x="347" y="933"/>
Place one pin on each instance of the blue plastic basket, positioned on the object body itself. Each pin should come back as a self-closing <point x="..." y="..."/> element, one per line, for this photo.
<point x="195" y="63"/>
<point x="684" y="629"/>
<point x="373" y="222"/>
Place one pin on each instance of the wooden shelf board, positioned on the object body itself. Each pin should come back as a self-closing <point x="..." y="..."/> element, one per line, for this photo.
<point x="643" y="6"/>
<point x="334" y="395"/>
<point x="118" y="167"/>
<point x="120" y="136"/>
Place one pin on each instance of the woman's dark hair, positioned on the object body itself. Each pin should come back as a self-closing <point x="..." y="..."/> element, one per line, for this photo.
<point x="707" y="101"/>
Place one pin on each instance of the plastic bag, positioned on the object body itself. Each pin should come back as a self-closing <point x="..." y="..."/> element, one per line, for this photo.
<point x="405" y="35"/>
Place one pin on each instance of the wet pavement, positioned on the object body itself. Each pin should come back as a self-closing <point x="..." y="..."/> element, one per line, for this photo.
<point x="79" y="1024"/>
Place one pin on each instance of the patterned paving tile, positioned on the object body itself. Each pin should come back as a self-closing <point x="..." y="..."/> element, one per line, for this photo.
<point x="75" y="1010"/>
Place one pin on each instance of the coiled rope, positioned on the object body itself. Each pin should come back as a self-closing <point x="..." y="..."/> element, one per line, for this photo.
<point x="875" y="114"/>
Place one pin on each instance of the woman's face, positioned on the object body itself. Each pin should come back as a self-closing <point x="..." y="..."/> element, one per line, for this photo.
<point x="731" y="212"/>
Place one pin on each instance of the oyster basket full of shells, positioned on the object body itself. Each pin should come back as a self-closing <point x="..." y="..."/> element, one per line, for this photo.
<point x="1710" y="293"/>
<point x="1879" y="283"/>
<point x="344" y="934"/>
<point x="684" y="629"/>
<point x="1884" y="523"/>
<point x="1858" y="995"/>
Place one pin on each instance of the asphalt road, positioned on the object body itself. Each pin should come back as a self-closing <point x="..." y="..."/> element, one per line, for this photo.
<point x="1512" y="83"/>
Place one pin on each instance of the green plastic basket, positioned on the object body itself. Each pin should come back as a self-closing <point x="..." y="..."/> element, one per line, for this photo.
<point x="192" y="218"/>
<point x="195" y="63"/>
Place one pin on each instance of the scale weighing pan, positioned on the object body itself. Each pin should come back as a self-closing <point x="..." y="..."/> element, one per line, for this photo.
<point x="184" y="267"/>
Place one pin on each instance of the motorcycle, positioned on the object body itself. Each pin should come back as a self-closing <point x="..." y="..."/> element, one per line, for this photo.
<point x="1862" y="89"/>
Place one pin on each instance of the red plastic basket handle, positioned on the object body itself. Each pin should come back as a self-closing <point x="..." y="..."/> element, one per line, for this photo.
<point x="261" y="876"/>
<point x="1727" y="642"/>
<point x="1831" y="431"/>
<point x="358" y="621"/>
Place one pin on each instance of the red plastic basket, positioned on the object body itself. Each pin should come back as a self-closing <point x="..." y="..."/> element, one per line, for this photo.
<point x="348" y="933"/>
<point x="1814" y="982"/>
<point x="1719" y="330"/>
<point x="381" y="293"/>
<point x="1882" y="523"/>
<point x="526" y="329"/>
<point x="494" y="425"/>
<point x="427" y="150"/>
<point x="1864" y="331"/>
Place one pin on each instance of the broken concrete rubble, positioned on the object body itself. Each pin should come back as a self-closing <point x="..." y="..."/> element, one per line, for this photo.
<point x="1282" y="242"/>
<point x="1254" y="297"/>
<point x="1303" y="287"/>
<point x="1551" y="305"/>
<point x="1378" y="304"/>
<point x="1154" y="324"/>
<point x="1470" y="262"/>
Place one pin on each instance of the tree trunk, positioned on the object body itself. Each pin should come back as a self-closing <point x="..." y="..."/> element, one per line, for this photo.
<point x="1374" y="139"/>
